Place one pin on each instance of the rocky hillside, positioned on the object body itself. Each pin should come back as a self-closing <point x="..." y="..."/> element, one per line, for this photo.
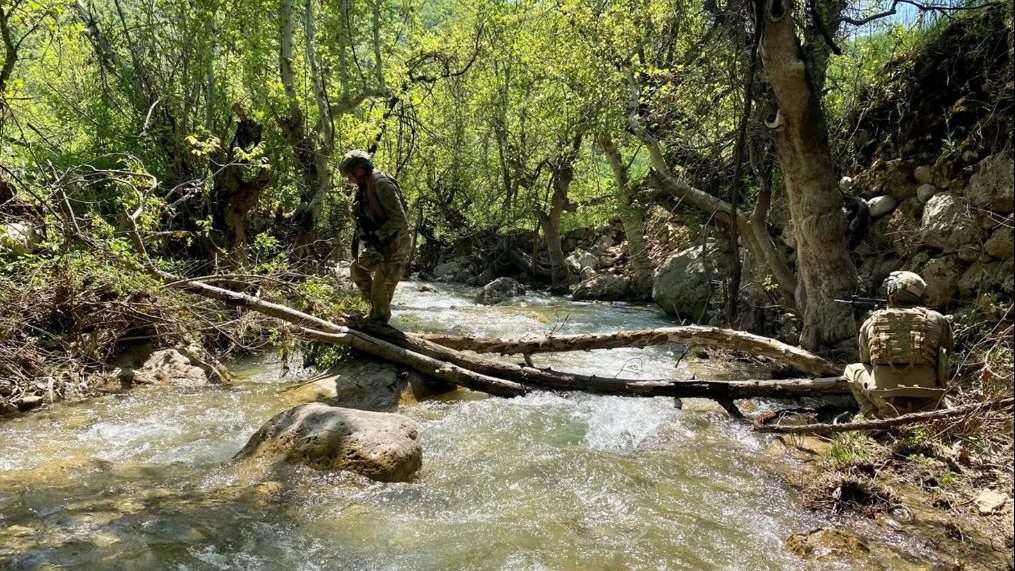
<point x="931" y="152"/>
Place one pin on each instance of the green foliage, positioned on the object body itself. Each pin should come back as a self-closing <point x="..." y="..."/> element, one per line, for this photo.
<point x="852" y="448"/>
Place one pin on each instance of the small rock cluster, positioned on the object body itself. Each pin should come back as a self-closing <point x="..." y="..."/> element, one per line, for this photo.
<point x="953" y="228"/>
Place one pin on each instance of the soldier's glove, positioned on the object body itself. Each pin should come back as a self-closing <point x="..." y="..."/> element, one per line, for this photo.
<point x="355" y="247"/>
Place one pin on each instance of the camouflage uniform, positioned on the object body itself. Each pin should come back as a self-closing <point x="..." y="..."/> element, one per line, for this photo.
<point x="903" y="354"/>
<point x="383" y="233"/>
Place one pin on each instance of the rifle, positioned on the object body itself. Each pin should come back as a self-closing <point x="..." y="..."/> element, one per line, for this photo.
<point x="864" y="303"/>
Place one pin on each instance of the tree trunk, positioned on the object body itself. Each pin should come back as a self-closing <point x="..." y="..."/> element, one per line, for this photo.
<point x="561" y="176"/>
<point x="697" y="334"/>
<point x="235" y="197"/>
<point x="313" y="149"/>
<point x="632" y="217"/>
<point x="825" y="269"/>
<point x="756" y="239"/>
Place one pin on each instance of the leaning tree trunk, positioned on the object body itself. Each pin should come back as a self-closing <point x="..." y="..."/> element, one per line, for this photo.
<point x="632" y="217"/>
<point x="825" y="269"/>
<point x="561" y="176"/>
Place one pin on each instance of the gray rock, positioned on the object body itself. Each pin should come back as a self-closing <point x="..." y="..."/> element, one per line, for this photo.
<point x="446" y="270"/>
<point x="380" y="446"/>
<point x="606" y="287"/>
<point x="977" y="279"/>
<point x="1006" y="276"/>
<point x="903" y="233"/>
<point x="991" y="186"/>
<point x="682" y="284"/>
<point x="881" y="205"/>
<point x="949" y="222"/>
<point x="942" y="276"/>
<point x="894" y="180"/>
<point x="923" y="174"/>
<point x="580" y="259"/>
<point x="167" y="366"/>
<point x="499" y="290"/>
<point x="925" y="191"/>
<point x="19" y="237"/>
<point x="1001" y="244"/>
<point x="368" y="384"/>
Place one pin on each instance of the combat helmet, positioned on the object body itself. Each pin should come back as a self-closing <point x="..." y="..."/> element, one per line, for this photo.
<point x="353" y="160"/>
<point x="905" y="287"/>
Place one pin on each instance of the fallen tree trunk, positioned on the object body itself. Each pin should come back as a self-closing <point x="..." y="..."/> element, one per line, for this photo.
<point x="713" y="336"/>
<point x="912" y="418"/>
<point x="447" y="364"/>
<point x="505" y="379"/>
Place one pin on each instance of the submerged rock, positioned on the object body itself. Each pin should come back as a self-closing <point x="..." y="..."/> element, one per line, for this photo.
<point x="827" y="544"/>
<point x="499" y="290"/>
<point x="380" y="446"/>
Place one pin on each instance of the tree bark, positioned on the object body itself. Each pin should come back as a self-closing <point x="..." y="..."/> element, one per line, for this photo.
<point x="901" y="420"/>
<point x="698" y="334"/>
<point x="825" y="269"/>
<point x="561" y="176"/>
<point x="632" y="217"/>
<point x="234" y="196"/>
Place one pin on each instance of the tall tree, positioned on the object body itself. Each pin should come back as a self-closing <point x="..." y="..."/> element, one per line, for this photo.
<point x="825" y="268"/>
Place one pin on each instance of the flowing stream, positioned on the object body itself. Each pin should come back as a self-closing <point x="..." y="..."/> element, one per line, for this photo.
<point x="143" y="479"/>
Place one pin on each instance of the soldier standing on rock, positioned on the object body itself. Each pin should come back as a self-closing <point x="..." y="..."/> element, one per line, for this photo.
<point x="382" y="228"/>
<point x="903" y="353"/>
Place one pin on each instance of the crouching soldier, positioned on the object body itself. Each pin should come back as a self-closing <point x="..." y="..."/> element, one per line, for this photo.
<point x="903" y="353"/>
<point x="381" y="242"/>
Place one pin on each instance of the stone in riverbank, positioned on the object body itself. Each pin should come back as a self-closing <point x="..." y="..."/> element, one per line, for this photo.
<point x="606" y="287"/>
<point x="682" y="285"/>
<point x="167" y="366"/>
<point x="500" y="289"/>
<point x="380" y="446"/>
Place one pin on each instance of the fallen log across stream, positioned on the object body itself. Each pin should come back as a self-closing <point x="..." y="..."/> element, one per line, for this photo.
<point x="504" y="379"/>
<point x="713" y="336"/>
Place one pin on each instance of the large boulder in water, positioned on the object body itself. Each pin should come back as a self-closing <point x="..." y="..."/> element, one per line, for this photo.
<point x="166" y="366"/>
<point x="682" y="285"/>
<point x="380" y="446"/>
<point x="606" y="287"/>
<point x="499" y="290"/>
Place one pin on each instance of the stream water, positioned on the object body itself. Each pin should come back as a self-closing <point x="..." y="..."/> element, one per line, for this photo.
<point x="143" y="479"/>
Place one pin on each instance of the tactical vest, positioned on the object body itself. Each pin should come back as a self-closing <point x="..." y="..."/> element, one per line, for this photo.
<point x="367" y="207"/>
<point x="904" y="336"/>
